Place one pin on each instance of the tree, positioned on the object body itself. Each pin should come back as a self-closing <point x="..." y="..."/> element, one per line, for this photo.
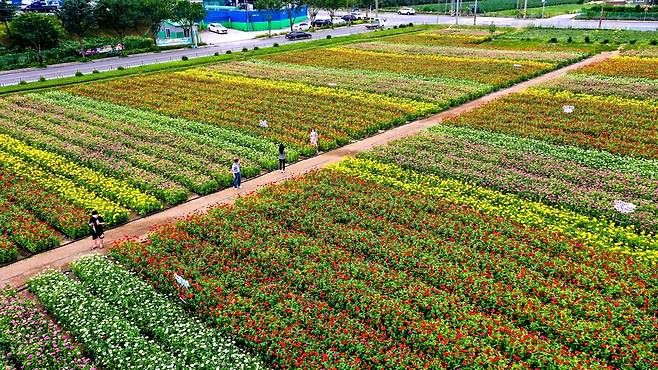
<point x="119" y="16"/>
<point x="37" y="31"/>
<point x="314" y="7"/>
<point x="187" y="14"/>
<point x="155" y="12"/>
<point x="292" y="7"/>
<point x="331" y="6"/>
<point x="269" y="6"/>
<point x="7" y="13"/>
<point x="78" y="19"/>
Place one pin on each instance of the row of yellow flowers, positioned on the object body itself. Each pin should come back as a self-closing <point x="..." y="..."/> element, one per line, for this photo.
<point x="67" y="189"/>
<point x="404" y="104"/>
<point x="592" y="231"/>
<point x="593" y="99"/>
<point x="116" y="190"/>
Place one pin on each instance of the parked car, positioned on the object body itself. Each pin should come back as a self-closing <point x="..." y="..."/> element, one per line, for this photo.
<point x="349" y="18"/>
<point x="40" y="7"/>
<point x="304" y="26"/>
<point x="321" y="22"/>
<point x="217" y="28"/>
<point x="356" y="13"/>
<point x="377" y="23"/>
<point x="338" y="21"/>
<point x="298" y="35"/>
<point x="407" y="11"/>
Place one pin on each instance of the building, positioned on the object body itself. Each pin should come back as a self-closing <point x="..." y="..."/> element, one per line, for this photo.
<point x="243" y="16"/>
<point x="172" y="33"/>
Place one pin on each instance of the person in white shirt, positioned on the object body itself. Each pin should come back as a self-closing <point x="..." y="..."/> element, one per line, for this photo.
<point x="237" y="176"/>
<point x="314" y="138"/>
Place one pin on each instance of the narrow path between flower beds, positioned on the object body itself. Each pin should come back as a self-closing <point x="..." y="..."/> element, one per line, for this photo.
<point x="17" y="273"/>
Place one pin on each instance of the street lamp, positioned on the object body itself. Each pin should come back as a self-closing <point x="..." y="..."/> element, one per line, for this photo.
<point x="543" y="8"/>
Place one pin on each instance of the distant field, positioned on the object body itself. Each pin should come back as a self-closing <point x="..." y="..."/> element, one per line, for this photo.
<point x="550" y="11"/>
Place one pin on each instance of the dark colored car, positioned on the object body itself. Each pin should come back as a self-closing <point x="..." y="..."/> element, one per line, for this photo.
<point x="350" y="18"/>
<point x="298" y="35"/>
<point x="40" y="7"/>
<point x="321" y="22"/>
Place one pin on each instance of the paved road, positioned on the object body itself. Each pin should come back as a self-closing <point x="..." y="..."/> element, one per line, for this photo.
<point x="66" y="70"/>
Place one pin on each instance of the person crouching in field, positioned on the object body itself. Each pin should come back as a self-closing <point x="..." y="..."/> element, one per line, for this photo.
<point x="96" y="223"/>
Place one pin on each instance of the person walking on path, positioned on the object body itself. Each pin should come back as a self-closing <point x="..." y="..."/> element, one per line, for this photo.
<point x="282" y="158"/>
<point x="314" y="138"/>
<point x="96" y="223"/>
<point x="237" y="176"/>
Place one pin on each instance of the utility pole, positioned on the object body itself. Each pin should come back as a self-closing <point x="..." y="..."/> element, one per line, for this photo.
<point x="475" y="12"/>
<point x="457" y="12"/>
<point x="438" y="3"/>
<point x="543" y="8"/>
<point x="525" y="8"/>
<point x="376" y="8"/>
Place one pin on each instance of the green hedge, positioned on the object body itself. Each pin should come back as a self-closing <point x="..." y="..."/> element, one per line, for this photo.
<point x="68" y="51"/>
<point x="621" y="12"/>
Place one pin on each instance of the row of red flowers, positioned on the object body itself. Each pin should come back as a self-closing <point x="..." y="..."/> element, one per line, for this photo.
<point x="333" y="272"/>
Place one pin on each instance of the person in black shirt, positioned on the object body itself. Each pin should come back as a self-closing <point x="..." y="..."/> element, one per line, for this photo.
<point x="282" y="158"/>
<point x="96" y="223"/>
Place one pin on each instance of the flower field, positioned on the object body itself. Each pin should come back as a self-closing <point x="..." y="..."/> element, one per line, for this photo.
<point x="484" y="70"/>
<point x="336" y="271"/>
<point x="495" y="161"/>
<point x="439" y="91"/>
<point x="618" y="125"/>
<point x="493" y="240"/>
<point x="29" y="340"/>
<point x="291" y="109"/>
<point x="469" y="52"/>
<point x="625" y="66"/>
<point x="124" y="324"/>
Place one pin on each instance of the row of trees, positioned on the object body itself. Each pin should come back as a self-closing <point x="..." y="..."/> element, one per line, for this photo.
<point x="314" y="6"/>
<point x="80" y="18"/>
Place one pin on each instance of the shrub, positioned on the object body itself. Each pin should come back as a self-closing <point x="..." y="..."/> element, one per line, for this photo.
<point x="605" y="41"/>
<point x="276" y="45"/>
<point x="587" y="40"/>
<point x="120" y="68"/>
<point x="653" y="42"/>
<point x="632" y="42"/>
<point x="244" y="50"/>
<point x="78" y="74"/>
<point x="216" y="54"/>
<point x="228" y="51"/>
<point x="553" y="40"/>
<point x="570" y="40"/>
<point x="255" y="47"/>
<point x="41" y="78"/>
<point x="328" y="37"/>
<point x="23" y="82"/>
<point x="411" y="24"/>
<point x="95" y="71"/>
<point x="184" y="57"/>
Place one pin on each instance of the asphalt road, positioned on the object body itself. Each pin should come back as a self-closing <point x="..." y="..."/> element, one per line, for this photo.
<point x="69" y="69"/>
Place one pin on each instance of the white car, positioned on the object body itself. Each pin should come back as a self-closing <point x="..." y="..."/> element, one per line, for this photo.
<point x="304" y="26"/>
<point x="217" y="28"/>
<point x="356" y="13"/>
<point x="337" y="21"/>
<point x="407" y="11"/>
